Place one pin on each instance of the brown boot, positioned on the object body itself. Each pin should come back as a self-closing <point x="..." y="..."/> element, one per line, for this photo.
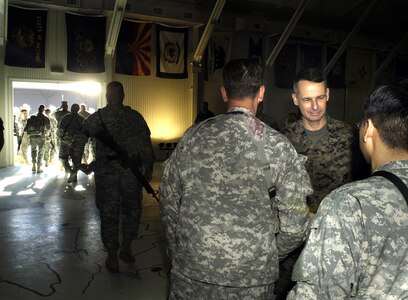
<point x="125" y="253"/>
<point x="112" y="262"/>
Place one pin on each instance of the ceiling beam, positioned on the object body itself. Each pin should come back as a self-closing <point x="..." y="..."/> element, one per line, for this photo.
<point x="286" y="33"/>
<point x="350" y="36"/>
<point x="202" y="44"/>
<point x="114" y="28"/>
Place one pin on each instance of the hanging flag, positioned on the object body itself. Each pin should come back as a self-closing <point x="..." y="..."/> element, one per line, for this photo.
<point x="133" y="48"/>
<point x="26" y="37"/>
<point x="310" y="55"/>
<point x="85" y="43"/>
<point x="361" y="67"/>
<point x="401" y="68"/>
<point x="386" y="76"/>
<point x="256" y="49"/>
<point x="218" y="54"/>
<point x="171" y="52"/>
<point x="286" y="66"/>
<point x="337" y="76"/>
<point x="222" y="49"/>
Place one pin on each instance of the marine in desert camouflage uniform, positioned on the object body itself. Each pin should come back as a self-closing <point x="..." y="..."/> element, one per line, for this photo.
<point x="329" y="159"/>
<point x="358" y="242"/>
<point x="328" y="144"/>
<point x="225" y="231"/>
<point x="118" y="191"/>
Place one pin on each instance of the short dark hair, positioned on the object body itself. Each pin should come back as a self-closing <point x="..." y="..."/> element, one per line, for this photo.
<point x="387" y="107"/>
<point x="115" y="92"/>
<point x="242" y="78"/>
<point x="309" y="74"/>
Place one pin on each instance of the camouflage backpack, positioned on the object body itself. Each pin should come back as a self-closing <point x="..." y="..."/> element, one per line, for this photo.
<point x="34" y="126"/>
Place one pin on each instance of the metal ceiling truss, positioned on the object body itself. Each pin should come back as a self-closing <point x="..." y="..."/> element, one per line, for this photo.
<point x="114" y="28"/>
<point x="287" y="32"/>
<point x="350" y="36"/>
<point x="215" y="15"/>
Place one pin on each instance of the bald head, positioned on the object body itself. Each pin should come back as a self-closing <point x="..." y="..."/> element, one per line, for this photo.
<point x="115" y="93"/>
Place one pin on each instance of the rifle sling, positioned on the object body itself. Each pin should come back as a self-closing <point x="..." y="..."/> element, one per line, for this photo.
<point x="122" y="156"/>
<point x="395" y="180"/>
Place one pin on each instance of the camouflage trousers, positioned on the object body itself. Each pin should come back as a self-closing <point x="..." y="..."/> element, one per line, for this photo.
<point x="37" y="149"/>
<point x="119" y="201"/>
<point x="284" y="283"/>
<point x="183" y="288"/>
<point x="25" y="142"/>
<point x="49" y="150"/>
<point x="64" y="146"/>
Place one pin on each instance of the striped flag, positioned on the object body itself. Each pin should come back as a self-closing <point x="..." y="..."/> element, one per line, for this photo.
<point x="133" y="48"/>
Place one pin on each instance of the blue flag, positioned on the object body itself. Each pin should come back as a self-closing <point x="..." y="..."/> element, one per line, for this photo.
<point x="26" y="32"/>
<point x="85" y="43"/>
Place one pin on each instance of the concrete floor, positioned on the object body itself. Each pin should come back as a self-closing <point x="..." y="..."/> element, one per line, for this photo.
<point x="50" y="244"/>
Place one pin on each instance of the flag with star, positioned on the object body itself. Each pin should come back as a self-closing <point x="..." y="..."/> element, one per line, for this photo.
<point x="133" y="48"/>
<point x="85" y="43"/>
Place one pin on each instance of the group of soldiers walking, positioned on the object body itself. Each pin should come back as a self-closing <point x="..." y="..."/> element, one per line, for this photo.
<point x="49" y="135"/>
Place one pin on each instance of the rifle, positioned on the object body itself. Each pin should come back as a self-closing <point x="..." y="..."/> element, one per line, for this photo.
<point x="126" y="160"/>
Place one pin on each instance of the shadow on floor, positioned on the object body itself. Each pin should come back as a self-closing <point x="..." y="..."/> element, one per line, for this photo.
<point x="50" y="242"/>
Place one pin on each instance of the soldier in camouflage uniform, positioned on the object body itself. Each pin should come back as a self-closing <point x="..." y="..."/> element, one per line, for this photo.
<point x="233" y="198"/>
<point x="118" y="192"/>
<point x="328" y="144"/>
<point x="37" y="140"/>
<point x="69" y="126"/>
<point x="50" y="142"/>
<point x="88" y="149"/>
<point x="59" y="115"/>
<point x="358" y="242"/>
<point x="25" y="140"/>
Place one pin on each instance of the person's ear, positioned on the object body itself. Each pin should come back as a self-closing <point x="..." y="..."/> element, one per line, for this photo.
<point x="327" y="94"/>
<point x="295" y="99"/>
<point x="261" y="93"/>
<point x="369" y="131"/>
<point x="224" y="94"/>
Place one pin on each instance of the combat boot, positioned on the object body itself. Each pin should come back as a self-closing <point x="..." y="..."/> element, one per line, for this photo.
<point x="46" y="163"/>
<point x="34" y="169"/>
<point x="73" y="177"/>
<point x="125" y="253"/>
<point x="112" y="262"/>
<point x="39" y="169"/>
